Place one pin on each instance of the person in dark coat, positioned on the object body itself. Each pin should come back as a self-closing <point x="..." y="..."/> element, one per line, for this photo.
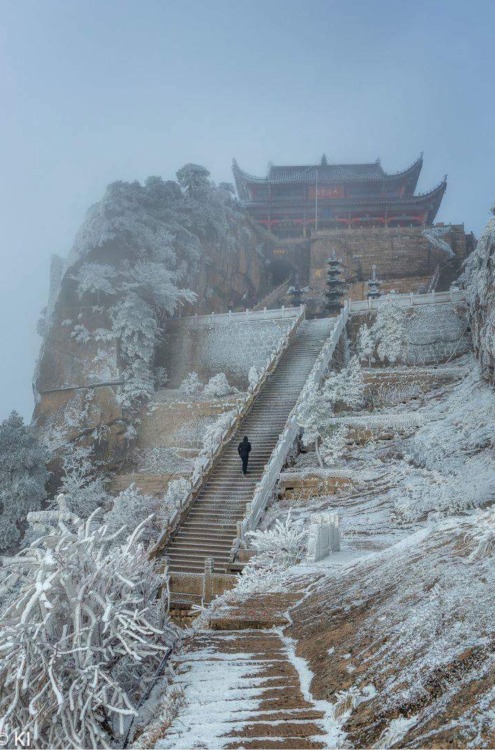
<point x="244" y="449"/>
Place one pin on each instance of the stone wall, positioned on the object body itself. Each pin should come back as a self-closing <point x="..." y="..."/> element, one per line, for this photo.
<point x="209" y="345"/>
<point x="403" y="257"/>
<point x="433" y="333"/>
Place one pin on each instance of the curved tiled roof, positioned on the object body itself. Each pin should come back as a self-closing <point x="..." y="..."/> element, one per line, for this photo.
<point x="334" y="173"/>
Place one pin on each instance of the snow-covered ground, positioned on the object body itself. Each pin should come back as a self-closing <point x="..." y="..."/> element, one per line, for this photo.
<point x="399" y="626"/>
<point x="411" y="463"/>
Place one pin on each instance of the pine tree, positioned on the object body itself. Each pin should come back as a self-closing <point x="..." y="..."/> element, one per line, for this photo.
<point x="365" y="346"/>
<point x="23" y="475"/>
<point x="389" y="328"/>
<point x="335" y="285"/>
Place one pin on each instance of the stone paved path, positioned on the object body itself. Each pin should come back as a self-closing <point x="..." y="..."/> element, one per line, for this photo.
<point x="242" y="690"/>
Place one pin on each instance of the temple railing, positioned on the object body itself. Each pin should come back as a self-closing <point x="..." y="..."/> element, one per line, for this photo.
<point x="272" y="296"/>
<point x="454" y="296"/>
<point x="266" y="486"/>
<point x="208" y="458"/>
<point x="246" y="315"/>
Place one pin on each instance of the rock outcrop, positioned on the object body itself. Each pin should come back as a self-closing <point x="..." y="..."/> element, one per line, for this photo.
<point x="110" y="301"/>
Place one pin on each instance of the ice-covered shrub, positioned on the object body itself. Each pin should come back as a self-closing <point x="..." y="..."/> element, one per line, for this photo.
<point x="214" y="433"/>
<point x="424" y="491"/>
<point x="81" y="643"/>
<point x="81" y="334"/>
<point x="23" y="475"/>
<point x="191" y="385"/>
<point x="283" y="545"/>
<point x="340" y="390"/>
<point x="218" y="386"/>
<point x="277" y="549"/>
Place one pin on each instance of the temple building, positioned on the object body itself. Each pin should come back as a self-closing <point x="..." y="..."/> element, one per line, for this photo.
<point x="364" y="215"/>
<point x="294" y="201"/>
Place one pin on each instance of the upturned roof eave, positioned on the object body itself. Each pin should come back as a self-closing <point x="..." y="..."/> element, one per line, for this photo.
<point x="307" y="174"/>
<point x="435" y="194"/>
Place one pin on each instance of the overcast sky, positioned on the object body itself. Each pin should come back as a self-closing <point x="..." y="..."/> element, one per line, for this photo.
<point x="98" y="90"/>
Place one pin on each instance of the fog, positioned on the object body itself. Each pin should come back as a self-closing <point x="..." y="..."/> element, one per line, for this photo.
<point x="110" y="89"/>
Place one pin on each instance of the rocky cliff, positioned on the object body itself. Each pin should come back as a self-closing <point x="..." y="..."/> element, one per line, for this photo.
<point x="144" y="254"/>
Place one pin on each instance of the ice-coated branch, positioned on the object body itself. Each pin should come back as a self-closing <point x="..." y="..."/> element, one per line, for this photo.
<point x="82" y="640"/>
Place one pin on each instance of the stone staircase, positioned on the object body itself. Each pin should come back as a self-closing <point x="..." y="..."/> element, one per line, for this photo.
<point x="242" y="690"/>
<point x="211" y="524"/>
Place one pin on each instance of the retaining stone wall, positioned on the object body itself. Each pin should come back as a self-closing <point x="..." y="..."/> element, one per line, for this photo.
<point x="232" y="347"/>
<point x="400" y="253"/>
<point x="434" y="333"/>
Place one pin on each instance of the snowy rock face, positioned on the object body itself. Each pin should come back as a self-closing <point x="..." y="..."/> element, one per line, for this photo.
<point x="480" y="284"/>
<point x="142" y="252"/>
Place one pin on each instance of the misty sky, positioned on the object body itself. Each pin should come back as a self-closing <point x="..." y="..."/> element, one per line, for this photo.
<point x="98" y="90"/>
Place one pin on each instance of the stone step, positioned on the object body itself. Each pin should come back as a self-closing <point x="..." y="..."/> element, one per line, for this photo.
<point x="210" y="526"/>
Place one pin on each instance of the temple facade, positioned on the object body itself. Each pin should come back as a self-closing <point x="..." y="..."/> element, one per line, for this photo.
<point x="295" y="201"/>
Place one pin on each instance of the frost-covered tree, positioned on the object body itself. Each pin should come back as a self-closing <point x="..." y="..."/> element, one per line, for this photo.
<point x="81" y="643"/>
<point x="388" y="330"/>
<point x="136" y="328"/>
<point x="23" y="475"/>
<point x="194" y="179"/>
<point x="81" y="484"/>
<point x="333" y="445"/>
<point x="313" y="415"/>
<point x="96" y="278"/>
<point x="141" y="286"/>
<point x="345" y="388"/>
<point x="435" y="236"/>
<point x="365" y="346"/>
<point x="150" y="238"/>
<point x="156" y="285"/>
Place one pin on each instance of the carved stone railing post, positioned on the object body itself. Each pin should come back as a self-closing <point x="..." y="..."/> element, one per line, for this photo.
<point x="323" y="536"/>
<point x="207" y="580"/>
